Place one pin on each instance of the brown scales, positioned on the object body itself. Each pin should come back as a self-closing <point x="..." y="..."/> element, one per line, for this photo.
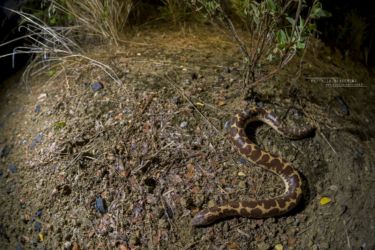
<point x="259" y="208"/>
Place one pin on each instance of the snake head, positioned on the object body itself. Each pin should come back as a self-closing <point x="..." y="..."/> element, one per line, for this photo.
<point x="198" y="220"/>
<point x="203" y="218"/>
<point x="207" y="217"/>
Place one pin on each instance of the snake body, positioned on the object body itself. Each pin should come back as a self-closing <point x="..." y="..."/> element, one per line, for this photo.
<point x="292" y="180"/>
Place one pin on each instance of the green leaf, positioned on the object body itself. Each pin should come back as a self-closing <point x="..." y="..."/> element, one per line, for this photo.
<point x="311" y="27"/>
<point x="301" y="23"/>
<point x="301" y="45"/>
<point x="52" y="20"/>
<point x="271" y="6"/>
<point x="290" y="20"/>
<point x="59" y="125"/>
<point x="281" y="37"/>
<point x="51" y="72"/>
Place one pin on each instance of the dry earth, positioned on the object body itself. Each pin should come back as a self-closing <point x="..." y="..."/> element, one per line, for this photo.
<point x="128" y="165"/>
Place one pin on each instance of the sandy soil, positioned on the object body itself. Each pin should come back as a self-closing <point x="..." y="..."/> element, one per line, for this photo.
<point x="127" y="166"/>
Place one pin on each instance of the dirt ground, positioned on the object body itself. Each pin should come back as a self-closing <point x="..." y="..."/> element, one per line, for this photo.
<point x="89" y="163"/>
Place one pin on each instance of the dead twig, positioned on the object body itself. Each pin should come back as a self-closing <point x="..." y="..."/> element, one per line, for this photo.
<point x="181" y="92"/>
<point x="325" y="138"/>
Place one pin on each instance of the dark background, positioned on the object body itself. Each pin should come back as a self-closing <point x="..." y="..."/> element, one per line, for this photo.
<point x="350" y="30"/>
<point x="8" y="32"/>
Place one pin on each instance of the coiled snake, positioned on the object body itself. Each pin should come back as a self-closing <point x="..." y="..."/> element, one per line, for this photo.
<point x="292" y="180"/>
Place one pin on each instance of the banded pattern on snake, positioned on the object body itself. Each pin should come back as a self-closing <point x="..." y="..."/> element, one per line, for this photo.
<point x="292" y="180"/>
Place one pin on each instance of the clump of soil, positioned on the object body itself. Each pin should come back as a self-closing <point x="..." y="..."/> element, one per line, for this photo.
<point x="87" y="163"/>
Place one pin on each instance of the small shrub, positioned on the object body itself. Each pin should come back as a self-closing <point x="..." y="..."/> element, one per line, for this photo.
<point x="103" y="18"/>
<point x="175" y="11"/>
<point x="277" y="28"/>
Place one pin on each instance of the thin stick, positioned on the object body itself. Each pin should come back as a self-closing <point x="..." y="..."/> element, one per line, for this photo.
<point x="325" y="138"/>
<point x="191" y="103"/>
<point x="347" y="235"/>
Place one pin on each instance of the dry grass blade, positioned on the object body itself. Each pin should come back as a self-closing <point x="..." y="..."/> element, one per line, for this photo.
<point x="104" y="18"/>
<point x="51" y="45"/>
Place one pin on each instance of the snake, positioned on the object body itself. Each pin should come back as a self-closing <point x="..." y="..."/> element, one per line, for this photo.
<point x="261" y="208"/>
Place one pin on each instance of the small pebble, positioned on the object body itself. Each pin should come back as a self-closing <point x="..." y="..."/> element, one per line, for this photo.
<point x="38" y="226"/>
<point x="4" y="151"/>
<point x="67" y="245"/>
<point x="344" y="108"/>
<point x="187" y="82"/>
<point x="38" y="108"/>
<point x="39" y="213"/>
<point x="242" y="174"/>
<point x="12" y="168"/>
<point x="19" y="246"/>
<point x="183" y="124"/>
<point x="227" y="124"/>
<point x="36" y="140"/>
<point x="176" y="100"/>
<point x="260" y="104"/>
<point x="100" y="205"/>
<point x="333" y="188"/>
<point x="243" y="161"/>
<point x="96" y="86"/>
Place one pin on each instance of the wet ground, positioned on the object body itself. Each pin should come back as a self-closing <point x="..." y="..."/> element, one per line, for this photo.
<point x="90" y="163"/>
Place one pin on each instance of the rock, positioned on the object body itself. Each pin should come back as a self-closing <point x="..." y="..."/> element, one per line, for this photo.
<point x="343" y="107"/>
<point x="38" y="227"/>
<point x="100" y="205"/>
<point x="38" y="109"/>
<point x="96" y="86"/>
<point x="67" y="245"/>
<point x="334" y="188"/>
<point x="187" y="82"/>
<point x="176" y="100"/>
<point x="36" y="140"/>
<point x="12" y="168"/>
<point x="183" y="124"/>
<point x="19" y="246"/>
<point x="244" y="161"/>
<point x="259" y="104"/>
<point x="39" y="213"/>
<point x="4" y="151"/>
<point x="227" y="124"/>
